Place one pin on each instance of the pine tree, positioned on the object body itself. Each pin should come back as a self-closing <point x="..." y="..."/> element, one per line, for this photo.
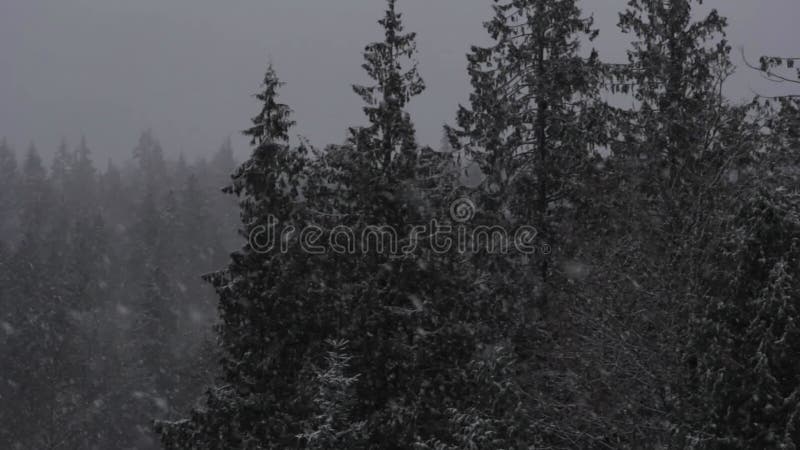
<point x="532" y="125"/>
<point x="37" y="195"/>
<point x="55" y="239"/>
<point x="332" y="427"/>
<point x="369" y="192"/>
<point x="181" y="169"/>
<point x="390" y="138"/>
<point x="9" y="191"/>
<point x="82" y="186"/>
<point x="677" y="66"/>
<point x="223" y="162"/>
<point x="197" y="248"/>
<point x="150" y="156"/>
<point x="113" y="198"/>
<point x="11" y="310"/>
<point x="85" y="329"/>
<point x="196" y="229"/>
<point x="411" y="334"/>
<point x="154" y="329"/>
<point x="222" y="166"/>
<point x="412" y="323"/>
<point x="41" y="355"/>
<point x="746" y="334"/>
<point x="61" y="167"/>
<point x="743" y="333"/>
<point x="682" y="146"/>
<point x="266" y="321"/>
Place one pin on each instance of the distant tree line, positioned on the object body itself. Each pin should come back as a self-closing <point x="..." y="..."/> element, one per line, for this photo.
<point x="104" y="320"/>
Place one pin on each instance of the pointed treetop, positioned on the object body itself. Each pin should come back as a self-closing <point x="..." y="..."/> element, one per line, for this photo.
<point x="63" y="152"/>
<point x="148" y="151"/>
<point x="83" y="152"/>
<point x="674" y="52"/>
<point x="391" y="65"/>
<point x="33" y="167"/>
<point x="62" y="164"/>
<point x="272" y="124"/>
<point x="8" y="158"/>
<point x="384" y="64"/>
<point x="223" y="160"/>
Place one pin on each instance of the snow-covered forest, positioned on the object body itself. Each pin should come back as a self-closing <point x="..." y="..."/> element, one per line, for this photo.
<point x="105" y="321"/>
<point x="654" y="304"/>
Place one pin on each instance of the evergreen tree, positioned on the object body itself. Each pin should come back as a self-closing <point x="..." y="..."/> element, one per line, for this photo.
<point x="181" y="169"/>
<point x="411" y="323"/>
<point x="390" y="138"/>
<point x="156" y="323"/>
<point x="41" y="355"/>
<point x="150" y="156"/>
<point x="679" y="150"/>
<point x="36" y="195"/>
<point x="665" y="316"/>
<point x="61" y="167"/>
<point x="678" y="66"/>
<point x="113" y="198"/>
<point x="219" y="173"/>
<point x="9" y="192"/>
<point x="263" y="308"/>
<point x="82" y="186"/>
<point x="533" y="125"/>
<point x="223" y="162"/>
<point x="743" y="330"/>
<point x="747" y="379"/>
<point x="90" y="281"/>
<point x="333" y="427"/>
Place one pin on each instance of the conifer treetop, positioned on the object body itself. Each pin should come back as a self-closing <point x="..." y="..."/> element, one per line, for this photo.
<point x="391" y="64"/>
<point x="272" y="123"/>
<point x="675" y="57"/>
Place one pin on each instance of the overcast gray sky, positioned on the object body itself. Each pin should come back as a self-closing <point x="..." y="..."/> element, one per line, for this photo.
<point x="186" y="68"/>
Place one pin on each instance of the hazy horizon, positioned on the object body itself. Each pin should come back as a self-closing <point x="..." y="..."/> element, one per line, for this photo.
<point x="186" y="70"/>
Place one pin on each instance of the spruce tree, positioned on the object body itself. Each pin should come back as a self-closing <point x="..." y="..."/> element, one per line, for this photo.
<point x="374" y="287"/>
<point x="264" y="306"/>
<point x="9" y="191"/>
<point x="219" y="173"/>
<point x="41" y="355"/>
<point x="390" y="137"/>
<point x="413" y="324"/>
<point x="61" y="166"/>
<point x="149" y="154"/>
<point x="743" y="334"/>
<point x="532" y="124"/>
<point x="746" y="334"/>
<point x="682" y="147"/>
<point x="82" y="186"/>
<point x="411" y="334"/>
<point x="677" y="66"/>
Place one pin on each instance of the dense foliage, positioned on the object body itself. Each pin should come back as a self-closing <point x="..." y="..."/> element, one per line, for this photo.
<point x="658" y="307"/>
<point x="104" y="320"/>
